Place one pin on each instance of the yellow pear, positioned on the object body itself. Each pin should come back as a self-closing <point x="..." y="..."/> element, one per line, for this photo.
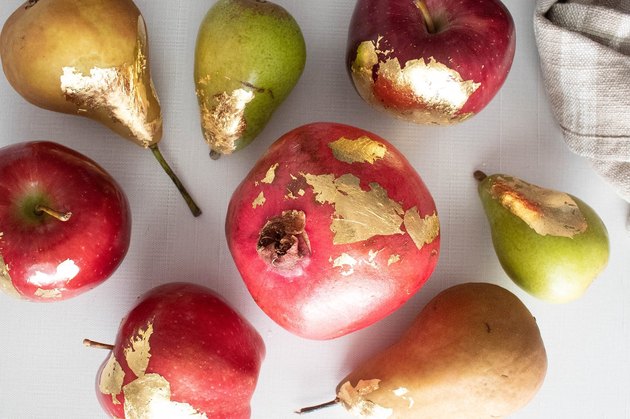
<point x="87" y="58"/>
<point x="474" y="352"/>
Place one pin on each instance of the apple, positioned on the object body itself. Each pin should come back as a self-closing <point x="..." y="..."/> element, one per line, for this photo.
<point x="430" y="61"/>
<point x="181" y="352"/>
<point x="65" y="223"/>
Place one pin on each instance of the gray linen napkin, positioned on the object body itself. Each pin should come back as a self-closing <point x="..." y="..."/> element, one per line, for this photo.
<point x="584" y="48"/>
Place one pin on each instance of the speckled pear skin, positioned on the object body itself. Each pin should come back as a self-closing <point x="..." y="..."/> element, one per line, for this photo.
<point x="252" y="47"/>
<point x="555" y="269"/>
<point x="474" y="352"/>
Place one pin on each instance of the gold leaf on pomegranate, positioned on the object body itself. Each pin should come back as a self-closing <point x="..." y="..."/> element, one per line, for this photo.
<point x="346" y="263"/>
<point x="393" y="259"/>
<point x="149" y="396"/>
<point x="422" y="230"/>
<point x="138" y="352"/>
<point x="122" y="93"/>
<point x="112" y="377"/>
<point x="48" y="294"/>
<point x="361" y="150"/>
<point x="546" y="211"/>
<point x="359" y="214"/>
<point x="270" y="175"/>
<point x="223" y="118"/>
<point x="6" y="283"/>
<point x="356" y="401"/>
<point x="259" y="201"/>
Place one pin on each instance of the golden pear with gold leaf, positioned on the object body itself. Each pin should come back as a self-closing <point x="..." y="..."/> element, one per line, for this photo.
<point x="87" y="58"/>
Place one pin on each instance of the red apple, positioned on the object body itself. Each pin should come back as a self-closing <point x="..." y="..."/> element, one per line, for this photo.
<point x="65" y="223"/>
<point x="430" y="61"/>
<point x="181" y="352"/>
<point x="332" y="230"/>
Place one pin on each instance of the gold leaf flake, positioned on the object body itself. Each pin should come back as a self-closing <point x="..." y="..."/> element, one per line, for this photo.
<point x="422" y="230"/>
<point x="122" y="93"/>
<point x="441" y="90"/>
<point x="359" y="215"/>
<point x="150" y="397"/>
<point x="48" y="294"/>
<point x="259" y="201"/>
<point x="393" y="259"/>
<point x="137" y="354"/>
<point x="6" y="283"/>
<point x="223" y="118"/>
<point x="271" y="174"/>
<point x="362" y="150"/>
<point x="111" y="380"/>
<point x="546" y="211"/>
<point x="346" y="263"/>
<point x="355" y="401"/>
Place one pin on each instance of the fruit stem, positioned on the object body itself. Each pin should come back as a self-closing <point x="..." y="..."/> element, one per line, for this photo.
<point x="98" y="345"/>
<point x="317" y="407"/>
<point x="215" y="155"/>
<point x="196" y="211"/>
<point x="61" y="216"/>
<point x="479" y="175"/>
<point x="428" y="20"/>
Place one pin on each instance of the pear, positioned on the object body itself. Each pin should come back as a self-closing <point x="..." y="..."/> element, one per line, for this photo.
<point x="87" y="58"/>
<point x="550" y="243"/>
<point x="473" y="352"/>
<point x="249" y="56"/>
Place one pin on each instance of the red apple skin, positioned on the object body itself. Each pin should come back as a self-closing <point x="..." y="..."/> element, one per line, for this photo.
<point x="316" y="299"/>
<point x="475" y="38"/>
<point x="92" y="243"/>
<point x="210" y="355"/>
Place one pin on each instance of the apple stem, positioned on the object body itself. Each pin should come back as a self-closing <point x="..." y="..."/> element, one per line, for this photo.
<point x="317" y="407"/>
<point x="215" y="155"/>
<point x="428" y="20"/>
<point x="98" y="345"/>
<point x="196" y="211"/>
<point x="61" y="216"/>
<point x="479" y="175"/>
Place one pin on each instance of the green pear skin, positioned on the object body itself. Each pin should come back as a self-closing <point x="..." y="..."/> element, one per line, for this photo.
<point x="554" y="267"/>
<point x="249" y="56"/>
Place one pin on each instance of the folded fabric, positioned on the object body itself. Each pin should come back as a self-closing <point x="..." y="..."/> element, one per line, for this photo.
<point x="584" y="48"/>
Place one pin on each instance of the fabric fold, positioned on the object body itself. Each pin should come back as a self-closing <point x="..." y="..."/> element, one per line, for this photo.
<point x="584" y="48"/>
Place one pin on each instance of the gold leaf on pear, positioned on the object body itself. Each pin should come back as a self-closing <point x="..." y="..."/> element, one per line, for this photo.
<point x="122" y="93"/>
<point x="546" y="211"/>
<point x="355" y="400"/>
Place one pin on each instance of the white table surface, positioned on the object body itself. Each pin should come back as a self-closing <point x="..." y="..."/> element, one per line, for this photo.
<point x="45" y="372"/>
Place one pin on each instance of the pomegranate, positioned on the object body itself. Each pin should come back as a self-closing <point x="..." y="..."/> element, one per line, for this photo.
<point x="332" y="230"/>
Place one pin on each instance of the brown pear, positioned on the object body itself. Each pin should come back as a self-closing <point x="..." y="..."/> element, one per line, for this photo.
<point x="475" y="351"/>
<point x="87" y="58"/>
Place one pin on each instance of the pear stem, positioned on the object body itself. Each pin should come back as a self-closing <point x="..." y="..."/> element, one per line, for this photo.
<point x="317" y="407"/>
<point x="196" y="211"/>
<point x="428" y="20"/>
<point x="479" y="175"/>
<point x="98" y="345"/>
<point x="61" y="216"/>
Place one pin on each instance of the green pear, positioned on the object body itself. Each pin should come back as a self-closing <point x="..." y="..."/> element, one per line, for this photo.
<point x="249" y="56"/>
<point x="87" y="58"/>
<point x="473" y="352"/>
<point x="549" y="243"/>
